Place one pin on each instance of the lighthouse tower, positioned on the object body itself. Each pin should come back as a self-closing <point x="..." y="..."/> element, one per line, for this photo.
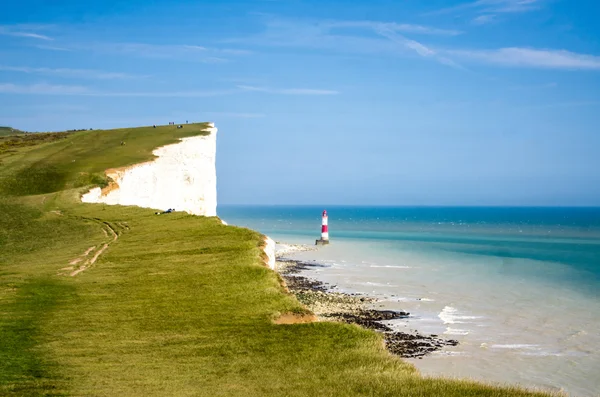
<point x="324" y="231"/>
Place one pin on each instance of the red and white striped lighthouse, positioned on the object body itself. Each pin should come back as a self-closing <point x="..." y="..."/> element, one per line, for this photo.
<point x="324" y="230"/>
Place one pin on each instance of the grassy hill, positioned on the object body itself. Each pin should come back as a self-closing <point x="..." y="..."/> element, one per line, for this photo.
<point x="172" y="305"/>
<point x="4" y="131"/>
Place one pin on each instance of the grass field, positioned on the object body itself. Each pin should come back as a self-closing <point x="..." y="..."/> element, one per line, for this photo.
<point x="176" y="305"/>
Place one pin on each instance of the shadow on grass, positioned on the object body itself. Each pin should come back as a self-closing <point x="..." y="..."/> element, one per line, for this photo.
<point x="24" y="369"/>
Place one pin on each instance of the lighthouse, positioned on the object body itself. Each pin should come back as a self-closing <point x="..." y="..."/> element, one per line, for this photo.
<point x="324" y="231"/>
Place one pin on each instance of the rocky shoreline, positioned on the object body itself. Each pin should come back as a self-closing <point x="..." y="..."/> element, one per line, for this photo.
<point x="327" y="304"/>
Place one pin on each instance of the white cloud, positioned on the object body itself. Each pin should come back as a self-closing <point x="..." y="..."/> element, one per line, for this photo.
<point x="391" y="26"/>
<point x="51" y="89"/>
<point x="72" y="73"/>
<point x="493" y="6"/>
<point x="163" y="51"/>
<point x="167" y="94"/>
<point x="509" y="6"/>
<point x="349" y="37"/>
<point x="485" y="11"/>
<point x="51" y="48"/>
<point x="483" y="19"/>
<point x="575" y="104"/>
<point x="417" y="47"/>
<point x="42" y="89"/>
<point x="288" y="91"/>
<point x="26" y="31"/>
<point x="543" y="86"/>
<point x="533" y="58"/>
<point x="322" y="36"/>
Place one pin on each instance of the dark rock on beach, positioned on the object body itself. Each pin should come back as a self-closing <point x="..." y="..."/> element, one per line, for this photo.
<point x="352" y="309"/>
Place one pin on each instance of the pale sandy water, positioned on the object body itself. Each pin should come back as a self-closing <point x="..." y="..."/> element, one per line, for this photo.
<point x="512" y="327"/>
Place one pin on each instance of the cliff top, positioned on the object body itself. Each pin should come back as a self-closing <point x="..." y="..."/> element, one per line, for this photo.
<point x="49" y="162"/>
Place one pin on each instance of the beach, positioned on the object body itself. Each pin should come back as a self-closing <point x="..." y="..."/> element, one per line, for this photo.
<point x="517" y="319"/>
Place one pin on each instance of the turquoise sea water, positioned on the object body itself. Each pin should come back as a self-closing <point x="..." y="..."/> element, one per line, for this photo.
<point x="519" y="287"/>
<point x="570" y="236"/>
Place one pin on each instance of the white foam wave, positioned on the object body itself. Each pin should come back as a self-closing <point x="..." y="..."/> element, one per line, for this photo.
<point x="447" y="353"/>
<point x="450" y="315"/>
<point x="542" y="354"/>
<point x="516" y="346"/>
<point x="372" y="284"/>
<point x="405" y="299"/>
<point x="391" y="267"/>
<point x="456" y="331"/>
<point x="397" y="299"/>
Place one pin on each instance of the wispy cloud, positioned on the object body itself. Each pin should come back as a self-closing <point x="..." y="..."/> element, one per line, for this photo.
<point x="532" y="58"/>
<point x="419" y="48"/>
<point x="288" y="91"/>
<point x="51" y="48"/>
<point x="543" y="86"/>
<point x="331" y="26"/>
<point x="349" y="37"/>
<point x="575" y="104"/>
<point x="52" y="89"/>
<point x="167" y="94"/>
<point x="26" y="31"/>
<point x="192" y="52"/>
<point x="483" y="19"/>
<point x="376" y="38"/>
<point x="487" y="11"/>
<point x="493" y="6"/>
<point x="71" y="73"/>
<point x="42" y="89"/>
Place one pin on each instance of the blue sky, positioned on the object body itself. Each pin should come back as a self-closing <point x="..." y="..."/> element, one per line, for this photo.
<point x="444" y="102"/>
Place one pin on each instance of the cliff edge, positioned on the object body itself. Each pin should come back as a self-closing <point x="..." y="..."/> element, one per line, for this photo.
<point x="182" y="177"/>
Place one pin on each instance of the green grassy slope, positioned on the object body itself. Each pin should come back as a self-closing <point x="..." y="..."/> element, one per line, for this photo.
<point x="176" y="305"/>
<point x="8" y="131"/>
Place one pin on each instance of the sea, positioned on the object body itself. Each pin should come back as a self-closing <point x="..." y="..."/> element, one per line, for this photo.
<point x="519" y="288"/>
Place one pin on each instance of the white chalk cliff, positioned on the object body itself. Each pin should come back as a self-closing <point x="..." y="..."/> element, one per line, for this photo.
<point x="269" y="249"/>
<point x="183" y="177"/>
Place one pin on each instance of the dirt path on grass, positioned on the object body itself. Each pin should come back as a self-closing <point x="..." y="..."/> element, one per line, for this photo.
<point x="83" y="262"/>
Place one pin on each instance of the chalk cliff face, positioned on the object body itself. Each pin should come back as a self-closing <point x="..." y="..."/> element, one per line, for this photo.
<point x="269" y="249"/>
<point x="183" y="177"/>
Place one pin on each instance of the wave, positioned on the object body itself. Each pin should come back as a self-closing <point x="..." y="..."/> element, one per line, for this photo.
<point x="516" y="346"/>
<point x="388" y="298"/>
<point x="450" y="353"/>
<point x="449" y="315"/>
<point x="455" y="331"/>
<point x="392" y="267"/>
<point x="372" y="284"/>
<point x="542" y="354"/>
